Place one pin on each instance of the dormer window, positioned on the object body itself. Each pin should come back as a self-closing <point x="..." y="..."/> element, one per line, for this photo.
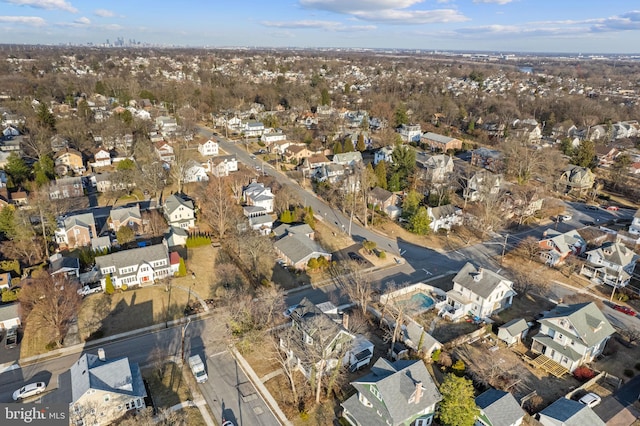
<point x="308" y="339"/>
<point x="364" y="401"/>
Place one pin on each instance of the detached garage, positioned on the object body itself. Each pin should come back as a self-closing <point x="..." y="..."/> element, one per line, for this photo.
<point x="9" y="317"/>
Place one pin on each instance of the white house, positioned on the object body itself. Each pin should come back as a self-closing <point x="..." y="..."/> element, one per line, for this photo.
<point x="383" y="154"/>
<point x="612" y="263"/>
<point x="572" y="335"/>
<point x="208" y="148"/>
<point x="223" y="165"/>
<point x="269" y="138"/>
<point x="256" y="194"/>
<point x="179" y="212"/>
<point x="196" y="172"/>
<point x="635" y="224"/>
<point x="101" y="158"/>
<point x="253" y="129"/>
<point x="444" y="217"/>
<point x="165" y="152"/>
<point x="410" y="132"/>
<point x="138" y="266"/>
<point x="102" y="391"/>
<point x="478" y="292"/>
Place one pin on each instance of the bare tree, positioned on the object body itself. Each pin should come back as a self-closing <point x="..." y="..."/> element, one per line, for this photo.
<point x="51" y="303"/>
<point x="357" y="285"/>
<point x="154" y="223"/>
<point x="217" y="205"/>
<point x="631" y="334"/>
<point x="280" y="343"/>
<point x="179" y="166"/>
<point x="396" y="312"/>
<point x="270" y="302"/>
<point x="529" y="249"/>
<point x="526" y="282"/>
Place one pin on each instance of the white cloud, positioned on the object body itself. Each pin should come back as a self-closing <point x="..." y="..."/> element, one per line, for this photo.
<point x="324" y="25"/>
<point x="34" y="21"/>
<point x="413" y="16"/>
<point x="83" y="21"/>
<point x="350" y="6"/>
<point x="387" y="11"/>
<point x="493" y="1"/>
<point x="45" y="4"/>
<point x="104" y="13"/>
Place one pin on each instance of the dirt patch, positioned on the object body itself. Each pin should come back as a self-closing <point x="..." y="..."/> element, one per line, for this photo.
<point x="167" y="385"/>
<point x="455" y="239"/>
<point x="618" y="359"/>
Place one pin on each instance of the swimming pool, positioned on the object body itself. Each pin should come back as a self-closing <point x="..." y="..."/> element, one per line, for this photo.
<point x="418" y="302"/>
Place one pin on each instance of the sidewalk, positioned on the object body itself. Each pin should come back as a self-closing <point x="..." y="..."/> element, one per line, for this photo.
<point x="201" y="404"/>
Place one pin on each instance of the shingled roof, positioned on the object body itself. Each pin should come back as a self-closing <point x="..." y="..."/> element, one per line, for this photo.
<point x="588" y="321"/>
<point x="499" y="407"/>
<point x="480" y="281"/>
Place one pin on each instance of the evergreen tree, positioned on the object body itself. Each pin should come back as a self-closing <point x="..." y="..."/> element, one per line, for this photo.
<point x="411" y="203"/>
<point x="348" y="145"/>
<point x="585" y="154"/>
<point x="394" y="182"/>
<point x="419" y="222"/>
<point x="125" y="235"/>
<point x="108" y="285"/>
<point x="337" y="147"/>
<point x="360" y="146"/>
<point x="182" y="268"/>
<point x="401" y="116"/>
<point x="45" y="117"/>
<point x="325" y="98"/>
<point x="381" y="174"/>
<point x="17" y="169"/>
<point x="43" y="170"/>
<point x="404" y="163"/>
<point x="309" y="219"/>
<point x="458" y="406"/>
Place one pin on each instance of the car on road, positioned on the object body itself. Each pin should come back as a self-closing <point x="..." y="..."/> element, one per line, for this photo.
<point x="227" y="423"/>
<point x="287" y="312"/>
<point x="613" y="208"/>
<point x="590" y="400"/>
<point x="592" y="207"/>
<point x="565" y="217"/>
<point x="253" y="157"/>
<point x="29" y="390"/>
<point x="12" y="338"/>
<point x="625" y="310"/>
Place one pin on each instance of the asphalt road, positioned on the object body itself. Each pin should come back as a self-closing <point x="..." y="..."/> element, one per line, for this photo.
<point x="201" y="337"/>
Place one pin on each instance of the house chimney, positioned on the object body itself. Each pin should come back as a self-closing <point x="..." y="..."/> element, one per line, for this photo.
<point x="418" y="393"/>
<point x="345" y="321"/>
<point x="101" y="355"/>
<point x="478" y="276"/>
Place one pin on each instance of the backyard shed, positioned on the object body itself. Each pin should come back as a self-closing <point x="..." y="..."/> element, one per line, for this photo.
<point x="513" y="331"/>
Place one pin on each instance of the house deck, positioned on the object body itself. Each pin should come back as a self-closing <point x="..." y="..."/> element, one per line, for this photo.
<point x="547" y="364"/>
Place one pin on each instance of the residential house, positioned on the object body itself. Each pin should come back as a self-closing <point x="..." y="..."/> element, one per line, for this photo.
<point x="223" y="165"/>
<point x="329" y="172"/>
<point x="196" y="172"/>
<point x="612" y="263"/>
<point x="9" y="316"/>
<point x="138" y="266"/>
<point x="555" y="246"/>
<point x="438" y="167"/>
<point x="165" y="152"/>
<point x="296" y="249"/>
<point x="64" y="266"/>
<point x="383" y="154"/>
<point x="179" y="212"/>
<point x="126" y="216"/>
<point x="634" y="228"/>
<point x="295" y="153"/>
<point x="253" y="129"/>
<point x="348" y="158"/>
<point x="444" y="217"/>
<point x="280" y="147"/>
<point x="513" y="332"/>
<point x="101" y="243"/>
<point x="394" y="393"/>
<point x="104" y="183"/>
<point x="58" y="143"/>
<point x="166" y="124"/>
<point x="76" y="231"/>
<point x="416" y="338"/>
<point x="315" y="342"/>
<point x="68" y="187"/>
<point x="208" y="148"/>
<point x="101" y="158"/>
<point x="575" y="178"/>
<point x="440" y="143"/>
<point x="530" y="132"/>
<point x="314" y="162"/>
<point x="261" y="223"/>
<point x="256" y="194"/>
<point x="176" y="236"/>
<point x="482" y="185"/>
<point x="498" y="408"/>
<point x="69" y="159"/>
<point x="489" y="159"/>
<point x="269" y="138"/>
<point x="410" y="132"/>
<point x="381" y="198"/>
<point x="103" y="391"/>
<point x="567" y="412"/>
<point x="19" y="198"/>
<point x="572" y="335"/>
<point x="606" y="155"/>
<point x="478" y="292"/>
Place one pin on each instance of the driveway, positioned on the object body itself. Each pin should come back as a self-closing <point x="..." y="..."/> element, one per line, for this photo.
<point x="230" y="394"/>
<point x="617" y="409"/>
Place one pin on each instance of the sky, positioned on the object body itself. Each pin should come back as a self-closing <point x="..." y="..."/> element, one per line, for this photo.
<point x="571" y="26"/>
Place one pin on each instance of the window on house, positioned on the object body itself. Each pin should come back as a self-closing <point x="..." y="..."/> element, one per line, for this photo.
<point x="374" y="390"/>
<point x="364" y="401"/>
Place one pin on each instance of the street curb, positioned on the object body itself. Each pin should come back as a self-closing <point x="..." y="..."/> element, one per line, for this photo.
<point x="266" y="395"/>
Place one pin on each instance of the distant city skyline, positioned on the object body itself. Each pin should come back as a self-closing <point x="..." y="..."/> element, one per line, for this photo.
<point x="568" y="26"/>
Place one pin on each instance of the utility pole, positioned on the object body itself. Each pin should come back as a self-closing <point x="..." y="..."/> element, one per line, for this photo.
<point x="184" y="334"/>
<point x="615" y="286"/>
<point x="504" y="248"/>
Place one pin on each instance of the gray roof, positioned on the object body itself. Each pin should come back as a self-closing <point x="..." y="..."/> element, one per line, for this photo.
<point x="314" y="322"/>
<point x="615" y="253"/>
<point x="480" y="281"/>
<point x="515" y="326"/>
<point x="499" y="407"/>
<point x="414" y="334"/>
<point x="132" y="257"/>
<point x="589" y="323"/>
<point x="443" y="211"/>
<point x="8" y="312"/>
<point x="117" y="376"/>
<point x="64" y="263"/>
<point x="436" y="137"/>
<point x="298" y="247"/>
<point x="288" y="229"/>
<point x="83" y="219"/>
<point x="569" y="413"/>
<point x="348" y="157"/>
<point x="122" y="214"/>
<point x="260" y="220"/>
<point x="174" y="201"/>
<point x="99" y="243"/>
<point x="396" y="382"/>
<point x="380" y="194"/>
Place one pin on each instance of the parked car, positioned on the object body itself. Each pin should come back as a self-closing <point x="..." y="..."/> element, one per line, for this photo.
<point x="29" y="390"/>
<point x="12" y="338"/>
<point x="590" y="400"/>
<point x="592" y="207"/>
<point x="565" y="217"/>
<point x="613" y="208"/>
<point x="88" y="289"/>
<point x="625" y="310"/>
